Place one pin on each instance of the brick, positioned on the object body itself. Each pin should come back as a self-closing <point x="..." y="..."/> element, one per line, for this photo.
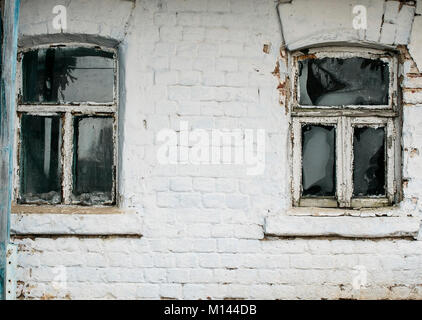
<point x="218" y="6"/>
<point x="180" y="184"/>
<point x="180" y="63"/>
<point x="190" y="200"/>
<point x="211" y="108"/>
<point x="167" y="199"/>
<point x="226" y="64"/>
<point x="204" y="245"/>
<point x="231" y="49"/>
<point x="187" y="260"/>
<point x="179" y="93"/>
<point x="200" y="275"/>
<point x="190" y="78"/>
<point x="222" y="231"/>
<point x="155" y="275"/>
<point x="213" y="200"/>
<point x="204" y="184"/>
<point x="173" y="291"/>
<point x="146" y="290"/>
<point x="209" y="260"/>
<point x="166" y="78"/>
<point x="249" y="232"/>
<point x="188" y="19"/>
<point x="213" y="78"/>
<point x="171" y="33"/>
<point x="237" y="201"/>
<point x="194" y="291"/>
<point x="237" y="79"/>
<point x="193" y="34"/>
<point x="178" y="275"/>
<point x="164" y="19"/>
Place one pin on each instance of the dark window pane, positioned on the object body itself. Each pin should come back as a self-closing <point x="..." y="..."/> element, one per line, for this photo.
<point x="93" y="160"/>
<point x="337" y="82"/>
<point x="318" y="160"/>
<point x="58" y="75"/>
<point x="369" y="162"/>
<point x="40" y="168"/>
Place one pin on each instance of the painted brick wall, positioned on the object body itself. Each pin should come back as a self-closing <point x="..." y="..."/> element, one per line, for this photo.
<point x="210" y="63"/>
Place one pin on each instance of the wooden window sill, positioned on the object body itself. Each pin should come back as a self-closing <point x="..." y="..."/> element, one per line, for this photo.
<point x="62" y="209"/>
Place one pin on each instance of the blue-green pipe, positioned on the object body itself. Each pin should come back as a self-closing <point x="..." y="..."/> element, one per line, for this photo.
<point x="9" y="24"/>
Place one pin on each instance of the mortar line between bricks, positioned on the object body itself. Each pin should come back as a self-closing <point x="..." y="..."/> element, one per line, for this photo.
<point x="80" y="236"/>
<point x="271" y="237"/>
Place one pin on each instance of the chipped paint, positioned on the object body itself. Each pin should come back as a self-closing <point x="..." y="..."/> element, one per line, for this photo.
<point x="10" y="21"/>
<point x="67" y="111"/>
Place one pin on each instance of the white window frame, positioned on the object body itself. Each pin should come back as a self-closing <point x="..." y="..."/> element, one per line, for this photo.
<point x="345" y="119"/>
<point x="67" y="111"/>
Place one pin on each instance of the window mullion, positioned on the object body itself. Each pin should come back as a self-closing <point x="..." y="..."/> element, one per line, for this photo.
<point x="67" y="157"/>
<point x="347" y="161"/>
<point x="390" y="144"/>
<point x="297" y="161"/>
<point x="339" y="162"/>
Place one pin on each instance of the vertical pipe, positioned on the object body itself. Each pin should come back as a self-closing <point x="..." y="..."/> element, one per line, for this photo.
<point x="9" y="24"/>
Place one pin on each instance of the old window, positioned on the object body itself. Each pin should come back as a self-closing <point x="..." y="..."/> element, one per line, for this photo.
<point x="67" y="115"/>
<point x="345" y="123"/>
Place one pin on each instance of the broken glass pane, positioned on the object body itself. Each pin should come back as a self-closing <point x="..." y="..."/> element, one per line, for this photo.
<point x="339" y="82"/>
<point x="318" y="160"/>
<point x="58" y="75"/>
<point x="40" y="168"/>
<point x="369" y="161"/>
<point x="93" y="160"/>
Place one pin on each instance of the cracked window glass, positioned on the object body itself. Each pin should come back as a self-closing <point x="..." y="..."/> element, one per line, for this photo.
<point x="369" y="161"/>
<point x="343" y="81"/>
<point x="93" y="160"/>
<point x="40" y="167"/>
<point x="62" y="75"/>
<point x="318" y="160"/>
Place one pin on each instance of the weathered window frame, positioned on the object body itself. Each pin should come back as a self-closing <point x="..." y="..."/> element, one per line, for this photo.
<point x="67" y="111"/>
<point x="345" y="118"/>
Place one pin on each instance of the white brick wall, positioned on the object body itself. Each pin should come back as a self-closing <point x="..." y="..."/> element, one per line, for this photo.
<point x="202" y="61"/>
<point x="219" y="268"/>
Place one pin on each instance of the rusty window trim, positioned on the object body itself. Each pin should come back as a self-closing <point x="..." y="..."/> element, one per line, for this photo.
<point x="67" y="111"/>
<point x="345" y="118"/>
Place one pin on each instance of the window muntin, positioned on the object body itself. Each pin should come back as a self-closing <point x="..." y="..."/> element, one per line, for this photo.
<point x="86" y="104"/>
<point x="365" y="176"/>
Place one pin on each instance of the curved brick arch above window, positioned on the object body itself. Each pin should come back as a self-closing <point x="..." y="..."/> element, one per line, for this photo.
<point x="308" y="23"/>
<point x="82" y="18"/>
<point x="30" y="41"/>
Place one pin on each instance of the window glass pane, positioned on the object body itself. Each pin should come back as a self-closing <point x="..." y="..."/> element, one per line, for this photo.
<point x="93" y="160"/>
<point x="369" y="161"/>
<point x="58" y="75"/>
<point x="318" y="160"/>
<point x="40" y="168"/>
<point x="337" y="82"/>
